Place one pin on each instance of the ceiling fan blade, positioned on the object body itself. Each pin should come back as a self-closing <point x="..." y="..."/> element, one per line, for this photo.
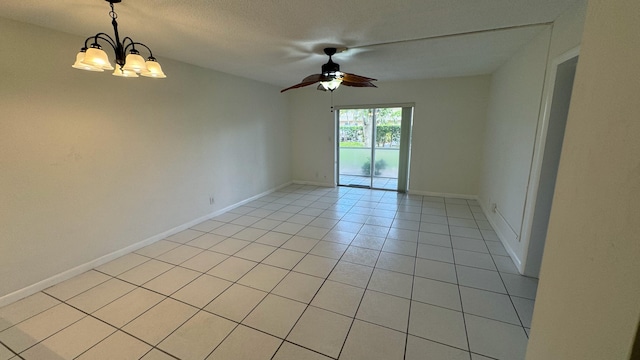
<point x="356" y="78"/>
<point x="309" y="80"/>
<point x="358" y="84"/>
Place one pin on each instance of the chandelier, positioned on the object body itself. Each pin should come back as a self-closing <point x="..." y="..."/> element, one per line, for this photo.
<point x="93" y="58"/>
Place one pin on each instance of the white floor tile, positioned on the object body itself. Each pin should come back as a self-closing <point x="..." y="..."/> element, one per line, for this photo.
<point x="315" y="265"/>
<point x="122" y="264"/>
<point x="434" y="239"/>
<point x="274" y="238"/>
<point x="320" y="330"/>
<point x="284" y="258"/>
<point x="299" y="243"/>
<point x="338" y="297"/>
<point x="474" y="259"/>
<point x="118" y="345"/>
<point x="370" y="342"/>
<point x="206" y="241"/>
<point x="438" y="324"/>
<point x="160" y="321"/>
<point x="329" y="249"/>
<point x="249" y="234"/>
<point x="368" y="242"/>
<point x="99" y="296"/>
<point x="236" y="302"/>
<point x="385" y="310"/>
<point x="496" y="339"/>
<point x="76" y="285"/>
<point x="207" y="225"/>
<point x="299" y="287"/>
<point x="351" y="274"/>
<point x="275" y="315"/>
<point x="469" y="244"/>
<point x="465" y="232"/>
<point x="362" y="256"/>
<point x="436" y="293"/>
<point x="313" y="232"/>
<point x="71" y="341"/>
<point x="255" y="252"/>
<point x="504" y="264"/>
<point x="123" y="310"/>
<point x="395" y="262"/>
<point x="263" y="277"/>
<point x="232" y="269"/>
<point x="39" y="327"/>
<point x="438" y="253"/>
<point x="145" y="272"/>
<point x="23" y="309"/>
<point x="400" y="247"/>
<point x="524" y="307"/>
<point x="204" y="261"/>
<point x="436" y="270"/>
<point x="417" y="348"/>
<point x="480" y="279"/>
<point x="197" y="337"/>
<point x="403" y="234"/>
<point x="230" y="246"/>
<point x="488" y="304"/>
<point x="179" y="254"/>
<point x="246" y="344"/>
<point x="392" y="283"/>
<point x="202" y="290"/>
<point x="521" y="286"/>
<point x="289" y="351"/>
<point x="172" y="280"/>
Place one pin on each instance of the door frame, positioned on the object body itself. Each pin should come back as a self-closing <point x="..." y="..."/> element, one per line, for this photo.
<point x="407" y="147"/>
<point x="538" y="156"/>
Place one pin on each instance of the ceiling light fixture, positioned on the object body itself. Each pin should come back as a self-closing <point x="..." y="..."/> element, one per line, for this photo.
<point x="93" y="58"/>
<point x="332" y="76"/>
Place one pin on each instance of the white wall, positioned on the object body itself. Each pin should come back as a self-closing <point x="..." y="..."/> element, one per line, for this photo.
<point x="448" y="130"/>
<point x="588" y="305"/>
<point x="516" y="90"/>
<point x="91" y="163"/>
<point x="513" y="119"/>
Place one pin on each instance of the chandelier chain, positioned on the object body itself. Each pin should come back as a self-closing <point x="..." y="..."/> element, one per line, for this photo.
<point x="113" y="13"/>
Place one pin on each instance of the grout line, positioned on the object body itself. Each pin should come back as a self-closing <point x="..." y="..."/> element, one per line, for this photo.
<point x="455" y="268"/>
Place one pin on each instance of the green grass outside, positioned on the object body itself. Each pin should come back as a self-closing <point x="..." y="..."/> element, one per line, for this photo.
<point x="352" y="160"/>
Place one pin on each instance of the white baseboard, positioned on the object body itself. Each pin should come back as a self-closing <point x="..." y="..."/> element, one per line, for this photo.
<point x="68" y="274"/>
<point x="314" y="183"/>
<point x="449" y="195"/>
<point x="502" y="237"/>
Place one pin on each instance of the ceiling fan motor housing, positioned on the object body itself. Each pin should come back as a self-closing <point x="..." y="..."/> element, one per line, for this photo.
<point x="331" y="69"/>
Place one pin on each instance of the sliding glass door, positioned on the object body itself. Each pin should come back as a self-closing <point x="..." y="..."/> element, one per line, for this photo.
<point x="373" y="149"/>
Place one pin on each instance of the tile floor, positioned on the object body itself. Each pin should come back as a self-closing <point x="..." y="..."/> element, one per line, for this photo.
<point x="302" y="273"/>
<point x="378" y="182"/>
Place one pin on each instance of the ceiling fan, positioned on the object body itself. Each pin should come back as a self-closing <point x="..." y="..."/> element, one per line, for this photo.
<point x="331" y="77"/>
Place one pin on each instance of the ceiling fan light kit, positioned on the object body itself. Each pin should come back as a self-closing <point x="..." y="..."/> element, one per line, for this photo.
<point x="331" y="77"/>
<point x="92" y="58"/>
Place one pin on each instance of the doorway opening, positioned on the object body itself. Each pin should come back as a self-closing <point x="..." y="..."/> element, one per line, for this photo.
<point x="373" y="146"/>
<point x="547" y="160"/>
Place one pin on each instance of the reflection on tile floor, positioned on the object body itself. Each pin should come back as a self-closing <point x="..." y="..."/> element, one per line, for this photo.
<point x="302" y="273"/>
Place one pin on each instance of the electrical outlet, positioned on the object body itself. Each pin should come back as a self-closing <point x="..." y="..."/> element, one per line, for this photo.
<point x="212" y="200"/>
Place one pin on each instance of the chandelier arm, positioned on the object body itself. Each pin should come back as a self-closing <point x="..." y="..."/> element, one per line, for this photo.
<point x="133" y="46"/>
<point x="106" y="38"/>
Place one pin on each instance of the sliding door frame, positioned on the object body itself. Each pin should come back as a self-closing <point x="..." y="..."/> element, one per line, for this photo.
<point x="405" y="141"/>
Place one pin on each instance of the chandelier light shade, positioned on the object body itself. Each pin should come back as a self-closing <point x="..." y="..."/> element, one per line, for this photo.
<point x="129" y="62"/>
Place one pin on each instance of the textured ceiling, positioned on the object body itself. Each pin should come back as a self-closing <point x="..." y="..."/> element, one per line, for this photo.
<point x="280" y="41"/>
